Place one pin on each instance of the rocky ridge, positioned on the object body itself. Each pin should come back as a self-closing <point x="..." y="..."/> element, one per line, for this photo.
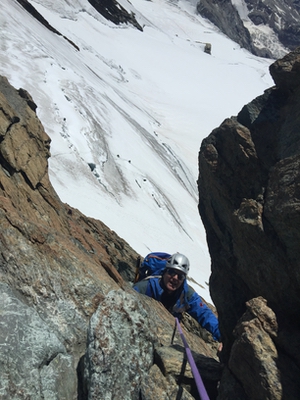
<point x="249" y="204"/>
<point x="71" y="326"/>
<point x="265" y="28"/>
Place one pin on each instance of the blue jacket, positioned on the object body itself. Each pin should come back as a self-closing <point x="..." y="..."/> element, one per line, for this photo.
<point x="186" y="300"/>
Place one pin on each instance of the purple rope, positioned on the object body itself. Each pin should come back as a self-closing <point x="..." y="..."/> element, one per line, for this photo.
<point x="195" y="372"/>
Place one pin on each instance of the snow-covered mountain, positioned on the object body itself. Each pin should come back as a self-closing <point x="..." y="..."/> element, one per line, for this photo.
<point x="266" y="28"/>
<point x="127" y="109"/>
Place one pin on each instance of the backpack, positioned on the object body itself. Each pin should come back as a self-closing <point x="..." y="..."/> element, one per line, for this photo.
<point x="153" y="264"/>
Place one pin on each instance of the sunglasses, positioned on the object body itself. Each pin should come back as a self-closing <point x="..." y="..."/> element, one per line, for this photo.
<point x="173" y="272"/>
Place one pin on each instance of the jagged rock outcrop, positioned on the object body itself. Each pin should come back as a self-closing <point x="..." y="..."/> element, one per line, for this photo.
<point x="129" y="353"/>
<point x="280" y="15"/>
<point x="109" y="9"/>
<point x="249" y="203"/>
<point x="113" y="11"/>
<point x="120" y="348"/>
<point x="55" y="263"/>
<point x="33" y="11"/>
<point x="63" y="275"/>
<point x="226" y="17"/>
<point x="278" y="19"/>
<point x="255" y="335"/>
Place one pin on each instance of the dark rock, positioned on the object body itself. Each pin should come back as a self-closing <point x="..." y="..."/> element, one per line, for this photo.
<point x="254" y="345"/>
<point x="113" y="11"/>
<point x="225" y="16"/>
<point x="280" y="17"/>
<point x="286" y="71"/>
<point x="249" y="200"/>
<point x="33" y="11"/>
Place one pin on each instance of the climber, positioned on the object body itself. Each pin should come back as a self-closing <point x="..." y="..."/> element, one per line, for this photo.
<point x="172" y="290"/>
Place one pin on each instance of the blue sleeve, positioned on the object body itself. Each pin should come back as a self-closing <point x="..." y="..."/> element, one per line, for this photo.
<point x="141" y="287"/>
<point x="203" y="314"/>
<point x="150" y="287"/>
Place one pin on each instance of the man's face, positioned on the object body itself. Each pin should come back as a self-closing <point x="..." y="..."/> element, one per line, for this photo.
<point x="173" y="279"/>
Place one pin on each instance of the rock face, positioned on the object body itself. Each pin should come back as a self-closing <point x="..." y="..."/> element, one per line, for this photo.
<point x="119" y="347"/>
<point x="55" y="263"/>
<point x="226" y="17"/>
<point x="71" y="326"/>
<point x="278" y="19"/>
<point x="249" y="203"/>
<point x="280" y="15"/>
<point x="113" y="11"/>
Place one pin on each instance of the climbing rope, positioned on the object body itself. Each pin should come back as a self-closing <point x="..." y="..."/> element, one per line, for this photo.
<point x="195" y="372"/>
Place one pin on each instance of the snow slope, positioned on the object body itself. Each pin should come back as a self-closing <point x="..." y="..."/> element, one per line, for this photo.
<point x="127" y="113"/>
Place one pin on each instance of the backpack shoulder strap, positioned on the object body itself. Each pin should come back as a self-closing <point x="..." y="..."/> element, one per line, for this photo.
<point x="137" y="269"/>
<point x="190" y="292"/>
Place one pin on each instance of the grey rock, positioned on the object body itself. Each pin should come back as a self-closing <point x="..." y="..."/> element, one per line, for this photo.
<point x="254" y="355"/>
<point x="266" y="28"/>
<point x="155" y="386"/>
<point x="119" y="349"/>
<point x="31" y="355"/>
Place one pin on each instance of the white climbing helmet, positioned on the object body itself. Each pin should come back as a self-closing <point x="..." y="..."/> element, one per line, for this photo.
<point x="180" y="262"/>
